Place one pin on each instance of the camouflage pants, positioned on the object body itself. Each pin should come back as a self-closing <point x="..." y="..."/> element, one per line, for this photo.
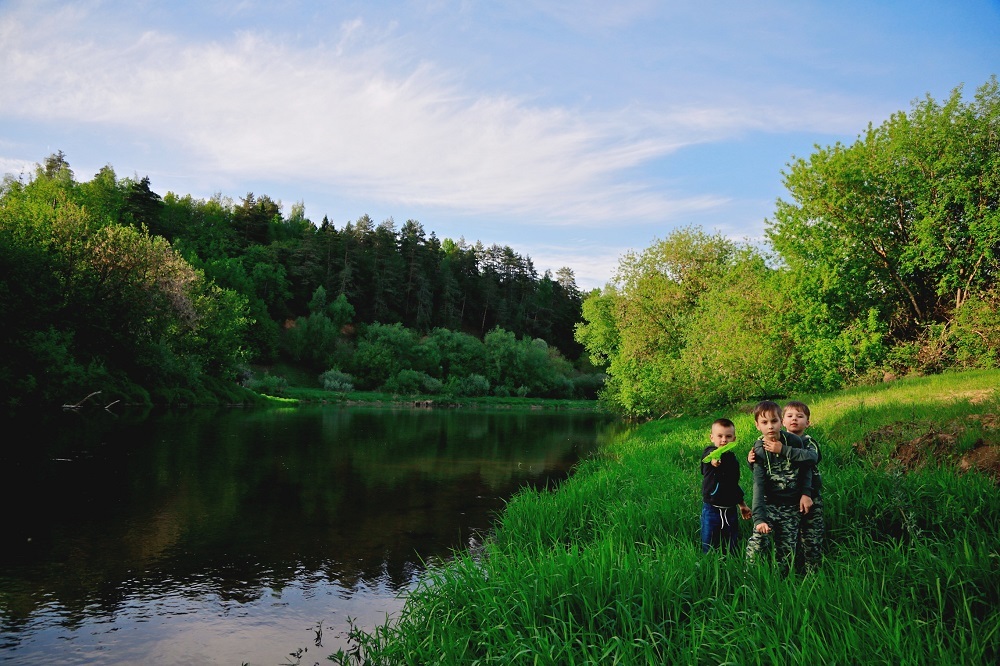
<point x="811" y="536"/>
<point x="784" y="522"/>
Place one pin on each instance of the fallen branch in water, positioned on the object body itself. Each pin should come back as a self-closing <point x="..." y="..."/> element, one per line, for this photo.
<point x="80" y="404"/>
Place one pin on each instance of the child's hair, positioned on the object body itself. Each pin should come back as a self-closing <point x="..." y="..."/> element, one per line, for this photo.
<point x="725" y="423"/>
<point x="766" y="407"/>
<point x="795" y="404"/>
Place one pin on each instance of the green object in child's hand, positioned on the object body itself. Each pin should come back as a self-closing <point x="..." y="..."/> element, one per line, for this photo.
<point x="717" y="453"/>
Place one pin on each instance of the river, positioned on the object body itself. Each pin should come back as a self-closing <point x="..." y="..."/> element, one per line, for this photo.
<point x="248" y="536"/>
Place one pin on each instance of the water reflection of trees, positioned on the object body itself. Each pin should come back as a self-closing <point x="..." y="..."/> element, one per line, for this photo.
<point x="234" y="504"/>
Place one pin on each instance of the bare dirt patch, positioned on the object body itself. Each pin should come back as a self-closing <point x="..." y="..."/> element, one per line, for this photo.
<point x="984" y="458"/>
<point x="951" y="444"/>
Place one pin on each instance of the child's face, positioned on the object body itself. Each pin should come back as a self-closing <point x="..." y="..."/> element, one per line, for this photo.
<point x="721" y="435"/>
<point x="769" y="424"/>
<point x="795" y="420"/>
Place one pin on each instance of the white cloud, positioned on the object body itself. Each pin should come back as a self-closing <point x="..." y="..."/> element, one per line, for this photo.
<point x="591" y="265"/>
<point x="357" y="117"/>
<point x="16" y="167"/>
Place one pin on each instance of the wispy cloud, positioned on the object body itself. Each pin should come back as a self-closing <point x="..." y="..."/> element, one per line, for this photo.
<point x="357" y="116"/>
<point x="591" y="266"/>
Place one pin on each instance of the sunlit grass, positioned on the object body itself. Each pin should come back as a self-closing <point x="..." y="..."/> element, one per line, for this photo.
<point x="608" y="568"/>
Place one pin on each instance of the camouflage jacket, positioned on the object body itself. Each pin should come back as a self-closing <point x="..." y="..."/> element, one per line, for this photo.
<point x="814" y="488"/>
<point x="781" y="478"/>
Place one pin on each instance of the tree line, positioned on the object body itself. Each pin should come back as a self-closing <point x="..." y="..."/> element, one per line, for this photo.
<point x="175" y="299"/>
<point x="881" y="261"/>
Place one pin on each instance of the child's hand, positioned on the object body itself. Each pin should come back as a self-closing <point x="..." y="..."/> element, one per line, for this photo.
<point x="745" y="512"/>
<point x="772" y="447"/>
<point x="805" y="503"/>
<point x="762" y="528"/>
<point x="716" y="462"/>
<point x="751" y="457"/>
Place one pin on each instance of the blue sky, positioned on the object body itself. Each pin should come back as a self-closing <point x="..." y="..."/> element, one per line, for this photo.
<point x="571" y="131"/>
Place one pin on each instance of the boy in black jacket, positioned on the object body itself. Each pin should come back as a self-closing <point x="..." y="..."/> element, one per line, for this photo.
<point x="721" y="493"/>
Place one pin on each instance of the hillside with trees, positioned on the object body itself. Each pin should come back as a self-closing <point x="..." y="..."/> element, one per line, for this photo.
<point x="883" y="261"/>
<point x="107" y="286"/>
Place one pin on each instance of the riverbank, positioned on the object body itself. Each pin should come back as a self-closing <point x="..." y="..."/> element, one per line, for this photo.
<point x="608" y="568"/>
<point x="298" y="394"/>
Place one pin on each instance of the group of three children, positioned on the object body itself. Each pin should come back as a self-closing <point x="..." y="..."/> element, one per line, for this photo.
<point x="787" y="508"/>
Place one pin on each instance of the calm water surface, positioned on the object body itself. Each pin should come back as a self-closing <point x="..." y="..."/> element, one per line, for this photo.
<point x="232" y="536"/>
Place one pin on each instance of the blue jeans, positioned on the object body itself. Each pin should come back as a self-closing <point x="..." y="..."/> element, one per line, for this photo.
<point x="720" y="526"/>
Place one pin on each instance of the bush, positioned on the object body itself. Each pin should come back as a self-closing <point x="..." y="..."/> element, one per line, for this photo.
<point x="432" y="385"/>
<point x="412" y="382"/>
<point x="562" y="388"/>
<point x="976" y="331"/>
<point x="588" y="386"/>
<point x="335" y="380"/>
<point x="472" y="385"/>
<point x="268" y="384"/>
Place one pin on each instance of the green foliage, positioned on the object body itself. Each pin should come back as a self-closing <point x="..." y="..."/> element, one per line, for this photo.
<point x="413" y="382"/>
<point x="306" y="292"/>
<point x="267" y="383"/>
<point x="888" y="252"/>
<point x="975" y="331"/>
<point x="101" y="304"/>
<point x="687" y="324"/>
<point x="383" y="350"/>
<point x="456" y="353"/>
<point x="315" y="341"/>
<point x="588" y="386"/>
<point x="335" y="380"/>
<point x="471" y="385"/>
<point x="340" y="311"/>
<point x="733" y="349"/>
<point x="887" y="238"/>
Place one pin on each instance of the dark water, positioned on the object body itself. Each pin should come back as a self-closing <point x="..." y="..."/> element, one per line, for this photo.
<point x="232" y="536"/>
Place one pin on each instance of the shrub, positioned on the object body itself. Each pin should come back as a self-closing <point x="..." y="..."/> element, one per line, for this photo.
<point x="432" y="385"/>
<point x="976" y="331"/>
<point x="407" y="382"/>
<point x="472" y="385"/>
<point x="269" y="384"/>
<point x="335" y="380"/>
<point x="589" y="385"/>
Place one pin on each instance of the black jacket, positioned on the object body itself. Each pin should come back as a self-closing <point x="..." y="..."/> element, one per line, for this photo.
<point x="720" y="486"/>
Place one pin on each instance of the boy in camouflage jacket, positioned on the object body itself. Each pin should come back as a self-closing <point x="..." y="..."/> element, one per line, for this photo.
<point x="782" y="470"/>
<point x="795" y="418"/>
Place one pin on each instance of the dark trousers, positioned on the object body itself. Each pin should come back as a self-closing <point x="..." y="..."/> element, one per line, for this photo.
<point x="720" y="527"/>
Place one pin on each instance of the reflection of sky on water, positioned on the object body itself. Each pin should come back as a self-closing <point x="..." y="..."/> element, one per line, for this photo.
<point x="194" y="625"/>
<point x="225" y="537"/>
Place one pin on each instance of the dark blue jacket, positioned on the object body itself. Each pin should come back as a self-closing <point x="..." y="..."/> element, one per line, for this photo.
<point x="720" y="486"/>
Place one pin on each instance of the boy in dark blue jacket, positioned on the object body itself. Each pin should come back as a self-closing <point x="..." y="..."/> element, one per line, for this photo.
<point x="721" y="493"/>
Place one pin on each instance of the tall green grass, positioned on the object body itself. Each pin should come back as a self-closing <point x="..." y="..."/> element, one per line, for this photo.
<point x="608" y="570"/>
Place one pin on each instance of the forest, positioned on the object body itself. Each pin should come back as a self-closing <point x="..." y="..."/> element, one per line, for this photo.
<point x="881" y="261"/>
<point x="174" y="300"/>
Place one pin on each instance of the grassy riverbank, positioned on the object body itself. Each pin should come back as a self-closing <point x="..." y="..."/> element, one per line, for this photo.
<point x="299" y="386"/>
<point x="607" y="569"/>
<point x="311" y="395"/>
